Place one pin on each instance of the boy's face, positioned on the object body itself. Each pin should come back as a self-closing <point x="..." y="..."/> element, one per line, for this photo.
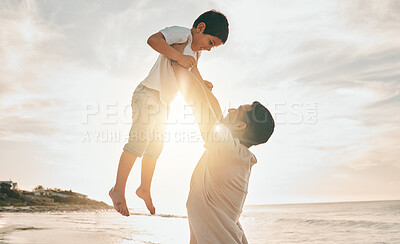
<point x="202" y="42"/>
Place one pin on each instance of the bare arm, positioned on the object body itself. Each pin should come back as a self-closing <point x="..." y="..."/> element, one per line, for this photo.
<point x="179" y="47"/>
<point x="195" y="72"/>
<point x="158" y="43"/>
<point x="206" y="108"/>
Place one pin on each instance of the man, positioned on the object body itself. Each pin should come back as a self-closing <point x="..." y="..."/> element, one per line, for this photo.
<point x="219" y="183"/>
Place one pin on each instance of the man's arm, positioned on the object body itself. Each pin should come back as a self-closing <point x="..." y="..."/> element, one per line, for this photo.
<point x="159" y="44"/>
<point x="196" y="73"/>
<point x="206" y="108"/>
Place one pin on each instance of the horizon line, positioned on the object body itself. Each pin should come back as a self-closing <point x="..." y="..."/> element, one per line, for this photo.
<point x="332" y="202"/>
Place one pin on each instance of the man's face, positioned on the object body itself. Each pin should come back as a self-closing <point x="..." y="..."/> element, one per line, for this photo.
<point x="202" y="42"/>
<point x="236" y="115"/>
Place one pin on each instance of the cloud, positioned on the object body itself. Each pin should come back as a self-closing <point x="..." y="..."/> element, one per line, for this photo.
<point x="25" y="52"/>
<point x="22" y="128"/>
<point x="56" y="56"/>
<point x="379" y="15"/>
<point x="28" y="61"/>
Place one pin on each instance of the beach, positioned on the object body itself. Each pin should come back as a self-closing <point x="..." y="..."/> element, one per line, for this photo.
<point x="356" y="222"/>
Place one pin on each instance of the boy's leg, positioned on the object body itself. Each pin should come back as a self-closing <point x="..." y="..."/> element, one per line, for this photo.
<point x="149" y="160"/>
<point x="117" y="193"/>
<point x="148" y="166"/>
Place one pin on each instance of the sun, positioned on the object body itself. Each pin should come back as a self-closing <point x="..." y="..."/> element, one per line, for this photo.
<point x="181" y="122"/>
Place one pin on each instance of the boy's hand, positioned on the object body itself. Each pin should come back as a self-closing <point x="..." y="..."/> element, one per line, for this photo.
<point x="186" y="61"/>
<point x="180" y="47"/>
<point x="208" y="84"/>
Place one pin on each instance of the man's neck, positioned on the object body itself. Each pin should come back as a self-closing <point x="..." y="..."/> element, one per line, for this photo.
<point x="235" y="135"/>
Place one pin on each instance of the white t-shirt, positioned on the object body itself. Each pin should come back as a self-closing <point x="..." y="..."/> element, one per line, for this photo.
<point x="161" y="76"/>
<point x="218" y="189"/>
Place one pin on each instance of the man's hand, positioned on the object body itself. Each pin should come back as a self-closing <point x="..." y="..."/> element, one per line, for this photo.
<point x="208" y="84"/>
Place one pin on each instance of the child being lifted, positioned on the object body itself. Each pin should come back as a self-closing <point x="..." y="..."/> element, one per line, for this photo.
<point x="152" y="96"/>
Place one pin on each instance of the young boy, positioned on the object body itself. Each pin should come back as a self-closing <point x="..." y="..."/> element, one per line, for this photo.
<point x="151" y="98"/>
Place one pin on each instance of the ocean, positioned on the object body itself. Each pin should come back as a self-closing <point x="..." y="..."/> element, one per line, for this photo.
<point x="351" y="222"/>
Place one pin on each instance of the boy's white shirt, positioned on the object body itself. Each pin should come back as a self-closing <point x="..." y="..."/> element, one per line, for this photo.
<point x="161" y="76"/>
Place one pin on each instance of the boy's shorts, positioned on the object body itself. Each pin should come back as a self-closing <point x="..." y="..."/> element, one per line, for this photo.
<point x="149" y="118"/>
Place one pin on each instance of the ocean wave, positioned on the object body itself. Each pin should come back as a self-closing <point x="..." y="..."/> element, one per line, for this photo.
<point x="345" y="223"/>
<point x="160" y="215"/>
<point x="12" y="228"/>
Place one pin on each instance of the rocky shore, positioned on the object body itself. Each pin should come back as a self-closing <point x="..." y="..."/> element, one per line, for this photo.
<point x="46" y="200"/>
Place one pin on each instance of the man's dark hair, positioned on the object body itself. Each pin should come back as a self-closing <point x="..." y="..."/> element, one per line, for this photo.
<point x="260" y="125"/>
<point x="216" y="24"/>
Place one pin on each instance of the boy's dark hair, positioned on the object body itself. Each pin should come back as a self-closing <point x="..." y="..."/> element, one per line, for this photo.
<point x="216" y="24"/>
<point x="260" y="125"/>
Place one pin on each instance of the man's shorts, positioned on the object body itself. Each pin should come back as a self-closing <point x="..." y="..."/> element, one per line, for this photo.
<point x="149" y="119"/>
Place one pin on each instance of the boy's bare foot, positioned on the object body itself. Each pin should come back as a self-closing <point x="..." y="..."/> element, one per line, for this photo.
<point x="119" y="201"/>
<point x="145" y="195"/>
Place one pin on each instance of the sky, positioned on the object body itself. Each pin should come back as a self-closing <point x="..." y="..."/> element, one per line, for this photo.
<point x="329" y="72"/>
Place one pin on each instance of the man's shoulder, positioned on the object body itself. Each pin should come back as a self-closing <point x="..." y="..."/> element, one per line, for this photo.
<point x="220" y="139"/>
<point x="230" y="146"/>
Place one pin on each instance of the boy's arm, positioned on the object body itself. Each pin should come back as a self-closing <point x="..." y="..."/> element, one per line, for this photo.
<point x="206" y="108"/>
<point x="158" y="43"/>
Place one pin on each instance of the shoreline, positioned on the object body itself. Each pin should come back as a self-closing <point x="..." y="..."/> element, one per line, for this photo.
<point x="55" y="209"/>
<point x="77" y="209"/>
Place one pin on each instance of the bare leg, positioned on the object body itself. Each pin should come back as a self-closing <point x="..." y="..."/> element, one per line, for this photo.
<point x="117" y="193"/>
<point x="148" y="166"/>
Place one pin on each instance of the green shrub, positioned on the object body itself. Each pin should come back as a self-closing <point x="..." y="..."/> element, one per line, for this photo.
<point x="3" y="203"/>
<point x="4" y="189"/>
<point x="15" y="202"/>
